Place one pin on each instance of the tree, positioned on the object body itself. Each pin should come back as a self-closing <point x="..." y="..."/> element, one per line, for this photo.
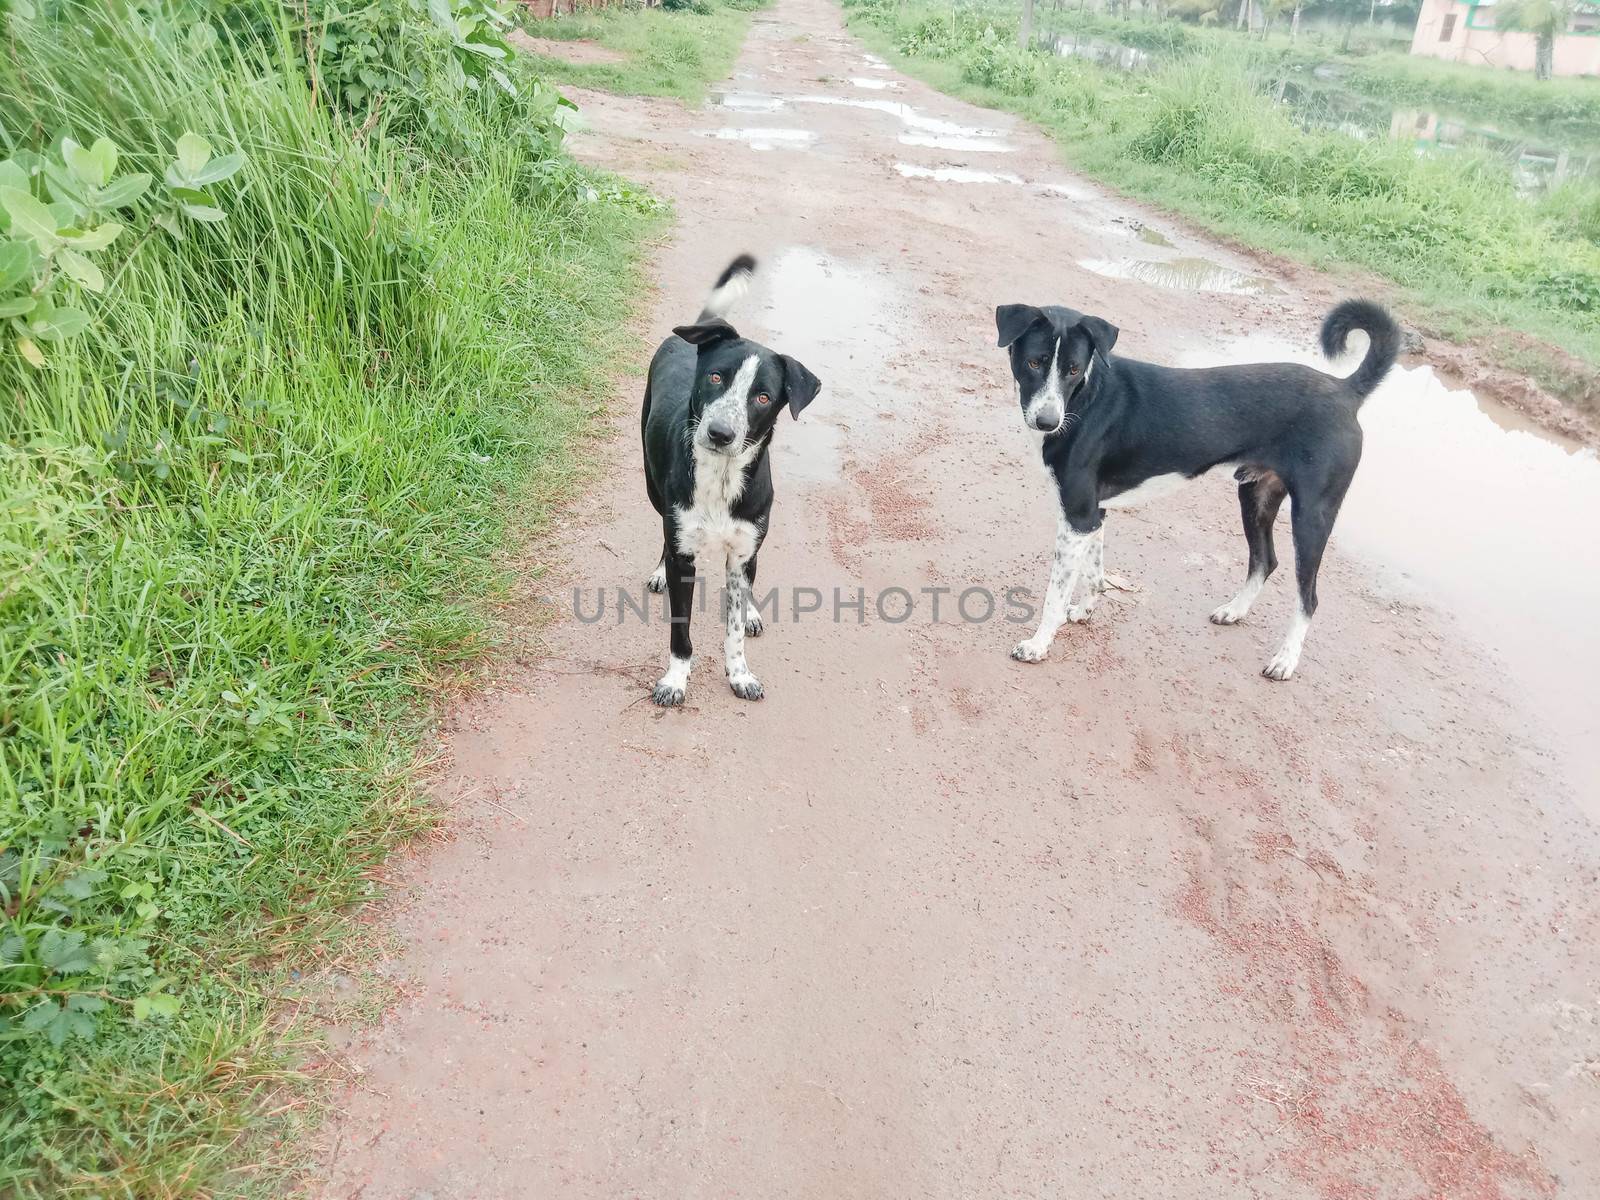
<point x="1545" y="19"/>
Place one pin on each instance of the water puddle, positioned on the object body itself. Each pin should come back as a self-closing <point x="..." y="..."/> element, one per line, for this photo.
<point x="1104" y="53"/>
<point x="749" y="102"/>
<point x="766" y="139"/>
<point x="1153" y="237"/>
<point x="838" y="319"/>
<point x="1495" y="524"/>
<point x="874" y="62"/>
<point x="1183" y="275"/>
<point x="1069" y="190"/>
<point x="918" y="124"/>
<point x="874" y="85"/>
<point x="955" y="144"/>
<point x="953" y="174"/>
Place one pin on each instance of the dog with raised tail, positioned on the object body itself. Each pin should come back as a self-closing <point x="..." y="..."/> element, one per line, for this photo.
<point x="1115" y="431"/>
<point x="711" y="403"/>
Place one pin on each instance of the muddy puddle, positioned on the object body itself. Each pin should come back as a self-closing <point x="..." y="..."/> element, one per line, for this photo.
<point x="766" y="139"/>
<point x="1459" y="504"/>
<point x="1185" y="274"/>
<point x="875" y="85"/>
<point x="837" y="318"/>
<point x="917" y="123"/>
<point x="954" y="174"/>
<point x="748" y="102"/>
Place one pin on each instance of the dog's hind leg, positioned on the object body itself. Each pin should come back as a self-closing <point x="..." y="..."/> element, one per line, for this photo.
<point x="1066" y="567"/>
<point x="658" y="578"/>
<point x="744" y="684"/>
<point x="1311" y="522"/>
<point x="1259" y="500"/>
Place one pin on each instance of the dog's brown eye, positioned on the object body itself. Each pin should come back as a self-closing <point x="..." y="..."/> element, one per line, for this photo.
<point x="1072" y="370"/>
<point x="1034" y="364"/>
<point x="763" y="399"/>
<point x="716" y="377"/>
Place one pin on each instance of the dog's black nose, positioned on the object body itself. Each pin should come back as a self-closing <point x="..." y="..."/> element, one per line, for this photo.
<point x="1046" y="419"/>
<point x="719" y="433"/>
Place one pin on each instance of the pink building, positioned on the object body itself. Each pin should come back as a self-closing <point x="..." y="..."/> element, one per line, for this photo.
<point x="1464" y="31"/>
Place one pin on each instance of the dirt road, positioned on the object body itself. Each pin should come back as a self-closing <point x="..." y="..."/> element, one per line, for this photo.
<point x="928" y="922"/>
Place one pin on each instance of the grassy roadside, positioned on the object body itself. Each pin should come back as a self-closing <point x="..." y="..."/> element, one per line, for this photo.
<point x="669" y="51"/>
<point x="292" y="407"/>
<point x="1199" y="135"/>
<point x="1569" y="104"/>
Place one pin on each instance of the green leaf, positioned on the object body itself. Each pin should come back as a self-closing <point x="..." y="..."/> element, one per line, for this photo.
<point x="97" y="238"/>
<point x="193" y="151"/>
<point x="169" y="222"/>
<point x="31" y="354"/>
<point x="59" y="324"/>
<point x="155" y="1004"/>
<point x="40" y="1015"/>
<point x="62" y="952"/>
<point x="217" y="169"/>
<point x="95" y="165"/>
<point x="17" y="306"/>
<point x="81" y="885"/>
<point x="81" y="269"/>
<point x="202" y="212"/>
<point x="121" y="192"/>
<point x="30" y="218"/>
<point x="15" y="260"/>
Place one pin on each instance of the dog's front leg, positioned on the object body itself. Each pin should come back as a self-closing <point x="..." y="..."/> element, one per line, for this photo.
<point x="1094" y="578"/>
<point x="670" y="688"/>
<point x="1066" y="567"/>
<point x="744" y="684"/>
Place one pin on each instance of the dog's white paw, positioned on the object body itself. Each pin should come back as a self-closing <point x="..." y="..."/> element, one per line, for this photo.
<point x="1079" y="614"/>
<point x="1282" y="666"/>
<point x="668" y="695"/>
<point x="1230" y="613"/>
<point x="1030" y="651"/>
<point x="746" y="686"/>
<point x="754" y="626"/>
<point x="657" y="582"/>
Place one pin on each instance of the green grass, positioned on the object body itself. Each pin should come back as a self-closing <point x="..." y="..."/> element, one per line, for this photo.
<point x="1566" y="105"/>
<point x="1200" y="135"/>
<point x="674" y="52"/>
<point x="248" y="522"/>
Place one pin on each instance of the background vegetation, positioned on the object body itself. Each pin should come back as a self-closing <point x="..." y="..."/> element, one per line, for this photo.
<point x="663" y="53"/>
<point x="301" y="305"/>
<point x="1201" y="132"/>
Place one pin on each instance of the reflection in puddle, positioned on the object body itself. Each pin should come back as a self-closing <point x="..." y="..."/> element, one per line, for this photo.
<point x="766" y="139"/>
<point x="1183" y="275"/>
<point x="1070" y="191"/>
<point x="837" y="319"/>
<point x="913" y="120"/>
<point x="1495" y="525"/>
<point x="750" y="102"/>
<point x="875" y="85"/>
<point x="953" y="174"/>
<point x="964" y="144"/>
<point x="1153" y="236"/>
<point x="873" y="61"/>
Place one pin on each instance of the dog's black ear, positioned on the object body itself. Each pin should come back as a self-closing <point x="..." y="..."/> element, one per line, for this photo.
<point x="706" y="334"/>
<point x="1102" y="333"/>
<point x="1011" y="321"/>
<point x="800" y="386"/>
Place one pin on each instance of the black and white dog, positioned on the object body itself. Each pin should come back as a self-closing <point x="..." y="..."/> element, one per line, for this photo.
<point x="710" y="405"/>
<point x="1116" y="431"/>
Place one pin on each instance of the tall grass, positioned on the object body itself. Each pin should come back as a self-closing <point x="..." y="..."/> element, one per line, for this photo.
<point x="1201" y="134"/>
<point x="244" y="521"/>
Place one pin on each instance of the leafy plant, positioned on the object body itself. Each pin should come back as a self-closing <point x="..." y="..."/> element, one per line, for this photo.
<point x="57" y="213"/>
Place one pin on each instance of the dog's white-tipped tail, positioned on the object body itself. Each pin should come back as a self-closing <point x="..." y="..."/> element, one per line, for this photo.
<point x="730" y="288"/>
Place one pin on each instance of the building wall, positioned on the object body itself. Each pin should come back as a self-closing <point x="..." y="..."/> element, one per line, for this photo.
<point x="1575" y="54"/>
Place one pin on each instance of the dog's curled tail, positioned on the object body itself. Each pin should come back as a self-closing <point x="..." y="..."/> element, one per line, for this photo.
<point x="1383" y="342"/>
<point x="730" y="288"/>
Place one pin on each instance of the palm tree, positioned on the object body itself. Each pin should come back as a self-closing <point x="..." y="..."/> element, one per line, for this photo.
<point x="1546" y="19"/>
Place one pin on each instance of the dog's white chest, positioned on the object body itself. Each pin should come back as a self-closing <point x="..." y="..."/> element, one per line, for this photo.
<point x="708" y="524"/>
